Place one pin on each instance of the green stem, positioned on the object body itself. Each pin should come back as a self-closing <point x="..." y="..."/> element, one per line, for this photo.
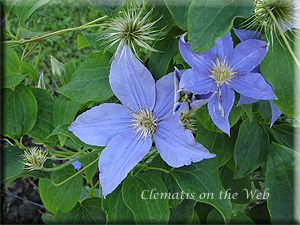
<point x="23" y="54"/>
<point x="283" y="37"/>
<point x="53" y="34"/>
<point x="38" y="57"/>
<point x="20" y="145"/>
<point x="67" y="163"/>
<point x="18" y="32"/>
<point x="71" y="177"/>
<point x="8" y="30"/>
<point x="149" y="156"/>
<point x="155" y="168"/>
<point x="84" y="188"/>
<point x="58" y="152"/>
<point x="9" y="142"/>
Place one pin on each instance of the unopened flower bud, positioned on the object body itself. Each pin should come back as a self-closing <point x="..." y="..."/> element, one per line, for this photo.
<point x="41" y="83"/>
<point x="58" y="69"/>
<point x="34" y="158"/>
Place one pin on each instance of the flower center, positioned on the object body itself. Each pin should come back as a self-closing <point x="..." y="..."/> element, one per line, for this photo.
<point x="221" y="72"/>
<point x="144" y="120"/>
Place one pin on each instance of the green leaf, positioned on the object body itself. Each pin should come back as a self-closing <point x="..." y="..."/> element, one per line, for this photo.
<point x="26" y="7"/>
<point x="248" y="110"/>
<point x="179" y="11"/>
<point x="108" y="7"/>
<point x="8" y="5"/>
<point x="64" y="111"/>
<point x="141" y="193"/>
<point x="28" y="70"/>
<point x="159" y="61"/>
<point x="251" y="147"/>
<point x="65" y="196"/>
<point x="11" y="162"/>
<point x="91" y="170"/>
<point x="70" y="67"/>
<point x="176" y="196"/>
<point x="280" y="184"/>
<point x="87" y="212"/>
<point x="63" y="134"/>
<point x="210" y="20"/>
<point x="264" y="109"/>
<point x="19" y="111"/>
<point x="218" y="143"/>
<point x="202" y="210"/>
<point x="11" y="62"/>
<point x="259" y="214"/>
<point x="214" y="217"/>
<point x="286" y="133"/>
<point x="236" y="187"/>
<point x="204" y="118"/>
<point x="90" y="80"/>
<point x="202" y="181"/>
<point x="11" y="80"/>
<point x="183" y="213"/>
<point x="44" y="123"/>
<point x="241" y="218"/>
<point x="278" y="69"/>
<point x="115" y="208"/>
<point x="81" y="41"/>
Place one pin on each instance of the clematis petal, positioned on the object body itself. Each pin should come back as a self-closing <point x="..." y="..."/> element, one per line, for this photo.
<point x="199" y="100"/>
<point x="276" y="113"/>
<point x="164" y="96"/>
<point x="181" y="107"/>
<point x="244" y="100"/>
<point x="120" y="156"/>
<point x="247" y="55"/>
<point x="199" y="60"/>
<point x="197" y="81"/>
<point x="131" y="81"/>
<point x="100" y="124"/>
<point x="220" y="106"/>
<point x="244" y="35"/>
<point x="177" y="146"/>
<point x="253" y="85"/>
<point x="223" y="47"/>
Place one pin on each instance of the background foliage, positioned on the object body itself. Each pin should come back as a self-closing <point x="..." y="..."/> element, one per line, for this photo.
<point x="255" y="163"/>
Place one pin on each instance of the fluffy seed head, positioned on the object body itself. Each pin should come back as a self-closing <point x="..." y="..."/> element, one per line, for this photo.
<point x="221" y="72"/>
<point x="131" y="28"/>
<point x="34" y="158"/>
<point x="285" y="12"/>
<point x="144" y="120"/>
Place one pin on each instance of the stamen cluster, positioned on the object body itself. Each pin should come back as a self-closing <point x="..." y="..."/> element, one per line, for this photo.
<point x="144" y="120"/>
<point x="34" y="158"/>
<point x="221" y="72"/>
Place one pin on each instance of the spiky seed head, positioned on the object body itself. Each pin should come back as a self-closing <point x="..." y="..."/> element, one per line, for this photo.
<point x="286" y="14"/>
<point x="34" y="158"/>
<point x="131" y="28"/>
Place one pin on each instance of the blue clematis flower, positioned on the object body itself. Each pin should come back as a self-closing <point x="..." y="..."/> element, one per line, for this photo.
<point x="223" y="70"/>
<point x="244" y="35"/>
<point x="127" y="129"/>
<point x="186" y="101"/>
<point x="77" y="165"/>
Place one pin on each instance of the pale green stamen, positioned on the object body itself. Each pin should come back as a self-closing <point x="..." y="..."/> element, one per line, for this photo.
<point x="221" y="72"/>
<point x="144" y="120"/>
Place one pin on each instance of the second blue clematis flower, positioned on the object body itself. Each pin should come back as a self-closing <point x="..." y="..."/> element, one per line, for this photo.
<point x="223" y="70"/>
<point x="127" y="129"/>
